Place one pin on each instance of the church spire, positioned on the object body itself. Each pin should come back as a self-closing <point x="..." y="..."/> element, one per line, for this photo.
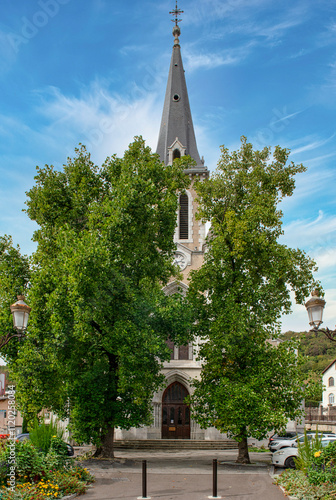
<point x="177" y="136"/>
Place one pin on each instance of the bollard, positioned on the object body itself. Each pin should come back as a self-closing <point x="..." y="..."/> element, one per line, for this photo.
<point x="214" y="479"/>
<point x="144" y="481"/>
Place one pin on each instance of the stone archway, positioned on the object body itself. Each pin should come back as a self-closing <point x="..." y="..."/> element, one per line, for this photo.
<point x="175" y="412"/>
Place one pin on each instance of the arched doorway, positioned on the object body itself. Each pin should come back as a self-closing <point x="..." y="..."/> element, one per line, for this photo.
<point x="175" y="413"/>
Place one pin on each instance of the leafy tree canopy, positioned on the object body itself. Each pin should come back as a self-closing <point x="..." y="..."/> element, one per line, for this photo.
<point x="14" y="280"/>
<point x="247" y="386"/>
<point x="99" y="319"/>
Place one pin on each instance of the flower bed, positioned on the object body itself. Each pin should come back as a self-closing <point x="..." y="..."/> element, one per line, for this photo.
<point x="316" y="474"/>
<point x="296" y="483"/>
<point x="38" y="475"/>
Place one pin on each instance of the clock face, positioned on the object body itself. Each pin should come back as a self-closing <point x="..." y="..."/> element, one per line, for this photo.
<point x="180" y="260"/>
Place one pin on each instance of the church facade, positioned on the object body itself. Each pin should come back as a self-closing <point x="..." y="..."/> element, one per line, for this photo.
<point x="171" y="416"/>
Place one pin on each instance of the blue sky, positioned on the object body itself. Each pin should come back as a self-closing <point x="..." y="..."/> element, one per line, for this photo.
<point x="94" y="71"/>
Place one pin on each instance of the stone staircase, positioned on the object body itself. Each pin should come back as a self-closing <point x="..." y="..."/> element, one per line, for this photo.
<point x="171" y="444"/>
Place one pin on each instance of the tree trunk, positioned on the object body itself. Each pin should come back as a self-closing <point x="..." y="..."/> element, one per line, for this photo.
<point x="106" y="449"/>
<point x="243" y="454"/>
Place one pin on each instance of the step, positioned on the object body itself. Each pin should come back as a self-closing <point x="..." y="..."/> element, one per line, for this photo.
<point x="182" y="444"/>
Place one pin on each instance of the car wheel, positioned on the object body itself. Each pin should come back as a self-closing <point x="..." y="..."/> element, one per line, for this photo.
<point x="290" y="462"/>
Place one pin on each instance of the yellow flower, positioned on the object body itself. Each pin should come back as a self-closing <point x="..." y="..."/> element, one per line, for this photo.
<point x="317" y="453"/>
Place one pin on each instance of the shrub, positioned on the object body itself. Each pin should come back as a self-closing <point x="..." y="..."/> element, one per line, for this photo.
<point x="322" y="467"/>
<point x="42" y="434"/>
<point x="306" y="451"/>
<point x="28" y="462"/>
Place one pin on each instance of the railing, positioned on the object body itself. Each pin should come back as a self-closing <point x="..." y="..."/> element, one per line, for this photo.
<point x="320" y="414"/>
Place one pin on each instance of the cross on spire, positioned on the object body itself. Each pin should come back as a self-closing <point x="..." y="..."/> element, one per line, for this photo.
<point x="176" y="13"/>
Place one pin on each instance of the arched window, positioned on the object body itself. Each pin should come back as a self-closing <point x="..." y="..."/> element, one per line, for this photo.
<point x="176" y="154"/>
<point x="331" y="399"/>
<point x="184" y="217"/>
<point x="331" y="382"/>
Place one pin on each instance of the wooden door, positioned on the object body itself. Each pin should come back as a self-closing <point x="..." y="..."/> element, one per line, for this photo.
<point x="175" y="413"/>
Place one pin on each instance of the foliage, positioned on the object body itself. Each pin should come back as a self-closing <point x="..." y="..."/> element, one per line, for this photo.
<point x="14" y="279"/>
<point x="58" y="446"/>
<point x="42" y="435"/>
<point x="28" y="462"/>
<point x="69" y="484"/>
<point x="313" y="389"/>
<point x="100" y="320"/>
<point x="306" y="451"/>
<point x="247" y="386"/>
<point x="296" y="483"/>
<point x="322" y="468"/>
<point x="39" y="476"/>
<point x="317" y="349"/>
<point x="61" y="485"/>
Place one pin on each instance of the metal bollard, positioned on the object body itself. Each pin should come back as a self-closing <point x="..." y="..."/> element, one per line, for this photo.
<point x="144" y="481"/>
<point x="214" y="479"/>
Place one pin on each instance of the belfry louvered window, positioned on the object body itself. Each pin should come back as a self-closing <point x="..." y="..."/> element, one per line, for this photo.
<point x="184" y="217"/>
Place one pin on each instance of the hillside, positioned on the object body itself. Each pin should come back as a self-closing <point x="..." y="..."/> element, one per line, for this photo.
<point x="319" y="350"/>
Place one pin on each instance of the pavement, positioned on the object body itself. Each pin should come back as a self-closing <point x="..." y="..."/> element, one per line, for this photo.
<point x="182" y="475"/>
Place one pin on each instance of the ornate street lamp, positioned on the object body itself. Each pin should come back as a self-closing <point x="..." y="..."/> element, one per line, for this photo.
<point x="20" y="311"/>
<point x="315" y="306"/>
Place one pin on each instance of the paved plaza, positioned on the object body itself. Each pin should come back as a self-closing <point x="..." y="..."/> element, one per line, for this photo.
<point x="183" y="475"/>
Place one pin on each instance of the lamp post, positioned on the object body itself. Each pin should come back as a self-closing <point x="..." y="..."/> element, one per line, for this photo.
<point x="20" y="311"/>
<point x="315" y="306"/>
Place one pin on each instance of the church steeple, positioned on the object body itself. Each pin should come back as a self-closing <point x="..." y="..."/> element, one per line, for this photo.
<point x="177" y="136"/>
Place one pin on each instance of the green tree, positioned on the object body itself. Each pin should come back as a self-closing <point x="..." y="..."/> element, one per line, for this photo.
<point x="313" y="389"/>
<point x="99" y="319"/>
<point x="14" y="280"/>
<point x="247" y="386"/>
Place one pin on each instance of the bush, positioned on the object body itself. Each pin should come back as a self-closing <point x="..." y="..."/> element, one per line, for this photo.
<point x="40" y="476"/>
<point x="322" y="468"/>
<point x="28" y="462"/>
<point x="306" y="452"/>
<point x="42" y="434"/>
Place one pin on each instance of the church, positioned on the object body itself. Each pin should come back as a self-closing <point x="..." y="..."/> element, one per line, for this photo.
<point x="171" y="416"/>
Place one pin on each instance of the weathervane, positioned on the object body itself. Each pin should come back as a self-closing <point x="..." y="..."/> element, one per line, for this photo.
<point x="176" y="13"/>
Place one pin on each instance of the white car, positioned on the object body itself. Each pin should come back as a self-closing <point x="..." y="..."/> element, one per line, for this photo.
<point x="284" y="443"/>
<point x="286" y="456"/>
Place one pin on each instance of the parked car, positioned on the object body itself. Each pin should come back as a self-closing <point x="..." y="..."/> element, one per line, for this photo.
<point x="286" y="456"/>
<point x="284" y="443"/>
<point x="22" y="437"/>
<point x="283" y="435"/>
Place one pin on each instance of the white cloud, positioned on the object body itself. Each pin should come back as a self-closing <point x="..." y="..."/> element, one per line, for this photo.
<point x="209" y="60"/>
<point x="326" y="259"/>
<point x="313" y="233"/>
<point x="312" y="144"/>
<point x="105" y="122"/>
